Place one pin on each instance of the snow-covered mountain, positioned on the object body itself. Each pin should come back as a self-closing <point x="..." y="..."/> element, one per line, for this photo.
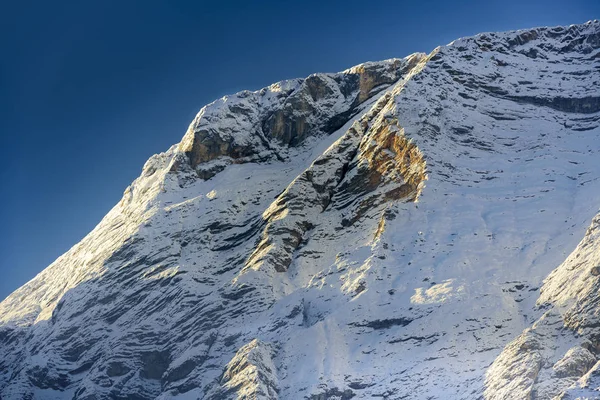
<point x="382" y="232"/>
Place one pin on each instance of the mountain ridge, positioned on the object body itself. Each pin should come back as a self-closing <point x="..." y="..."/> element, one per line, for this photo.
<point x="289" y="247"/>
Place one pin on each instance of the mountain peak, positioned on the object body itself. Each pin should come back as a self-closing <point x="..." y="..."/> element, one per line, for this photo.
<point x="250" y="126"/>
<point x="383" y="231"/>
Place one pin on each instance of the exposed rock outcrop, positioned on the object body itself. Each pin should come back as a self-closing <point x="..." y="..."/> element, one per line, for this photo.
<point x="286" y="113"/>
<point x="547" y="368"/>
<point x="370" y="164"/>
<point x="251" y="374"/>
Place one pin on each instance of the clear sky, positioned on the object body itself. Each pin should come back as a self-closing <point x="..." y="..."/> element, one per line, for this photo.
<point x="90" y="89"/>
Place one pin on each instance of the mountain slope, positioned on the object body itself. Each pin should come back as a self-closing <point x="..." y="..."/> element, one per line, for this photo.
<point x="380" y="232"/>
<point x="557" y="357"/>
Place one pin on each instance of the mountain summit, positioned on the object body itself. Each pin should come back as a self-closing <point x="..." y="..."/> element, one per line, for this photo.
<point x="398" y="230"/>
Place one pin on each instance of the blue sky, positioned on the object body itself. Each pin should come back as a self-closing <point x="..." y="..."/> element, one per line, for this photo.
<point x="90" y="89"/>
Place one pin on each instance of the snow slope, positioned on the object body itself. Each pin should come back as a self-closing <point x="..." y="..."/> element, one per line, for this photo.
<point x="380" y="232"/>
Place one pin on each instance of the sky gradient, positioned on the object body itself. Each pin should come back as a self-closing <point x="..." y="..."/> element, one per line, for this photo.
<point x="89" y="90"/>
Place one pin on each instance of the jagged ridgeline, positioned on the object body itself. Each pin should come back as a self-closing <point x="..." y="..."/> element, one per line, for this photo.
<point x="382" y="232"/>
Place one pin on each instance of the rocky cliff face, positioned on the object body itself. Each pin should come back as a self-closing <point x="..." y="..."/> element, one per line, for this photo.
<point x="380" y="232"/>
<point x="558" y="356"/>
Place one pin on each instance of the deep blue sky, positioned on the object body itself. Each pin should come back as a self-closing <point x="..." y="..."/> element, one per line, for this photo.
<point x="90" y="89"/>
